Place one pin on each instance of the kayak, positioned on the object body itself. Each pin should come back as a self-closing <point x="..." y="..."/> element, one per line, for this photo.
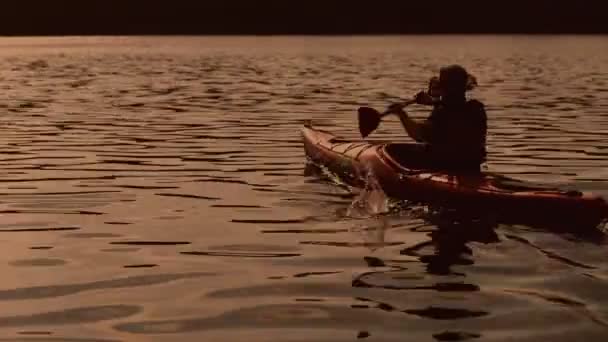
<point x="508" y="200"/>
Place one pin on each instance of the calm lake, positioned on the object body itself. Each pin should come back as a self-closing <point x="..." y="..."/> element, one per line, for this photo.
<point x="154" y="189"/>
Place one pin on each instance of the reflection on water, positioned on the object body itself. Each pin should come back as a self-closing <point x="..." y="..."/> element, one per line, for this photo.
<point x="157" y="188"/>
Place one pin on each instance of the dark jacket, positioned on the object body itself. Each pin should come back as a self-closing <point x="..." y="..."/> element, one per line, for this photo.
<point x="455" y="133"/>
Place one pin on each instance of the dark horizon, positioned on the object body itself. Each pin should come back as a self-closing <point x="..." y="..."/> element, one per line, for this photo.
<point x="231" y="17"/>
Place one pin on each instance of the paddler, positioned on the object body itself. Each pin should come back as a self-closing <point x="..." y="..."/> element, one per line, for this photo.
<point x="454" y="135"/>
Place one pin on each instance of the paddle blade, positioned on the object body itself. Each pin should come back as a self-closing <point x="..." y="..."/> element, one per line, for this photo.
<point x="369" y="119"/>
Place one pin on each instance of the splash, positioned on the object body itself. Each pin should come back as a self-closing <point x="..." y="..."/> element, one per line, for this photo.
<point x="324" y="173"/>
<point x="371" y="201"/>
<point x="369" y="209"/>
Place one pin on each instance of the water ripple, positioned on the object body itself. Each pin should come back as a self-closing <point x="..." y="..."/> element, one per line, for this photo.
<point x="70" y="289"/>
<point x="72" y="316"/>
<point x="130" y="155"/>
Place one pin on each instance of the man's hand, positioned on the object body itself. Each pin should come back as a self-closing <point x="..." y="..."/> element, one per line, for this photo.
<point x="423" y="98"/>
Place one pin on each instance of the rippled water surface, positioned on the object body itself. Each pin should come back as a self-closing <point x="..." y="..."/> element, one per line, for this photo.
<point x="155" y="189"/>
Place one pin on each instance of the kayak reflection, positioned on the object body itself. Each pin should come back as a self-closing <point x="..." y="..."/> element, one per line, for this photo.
<point x="450" y="242"/>
<point x="447" y="247"/>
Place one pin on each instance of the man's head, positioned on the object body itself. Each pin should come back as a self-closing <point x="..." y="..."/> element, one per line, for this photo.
<point x="455" y="80"/>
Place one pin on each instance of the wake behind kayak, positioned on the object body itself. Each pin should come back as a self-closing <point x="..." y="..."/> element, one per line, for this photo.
<point x="507" y="200"/>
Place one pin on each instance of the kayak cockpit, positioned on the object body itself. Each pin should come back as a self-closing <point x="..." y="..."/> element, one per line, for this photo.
<point x="403" y="154"/>
<point x="410" y="156"/>
<point x="414" y="156"/>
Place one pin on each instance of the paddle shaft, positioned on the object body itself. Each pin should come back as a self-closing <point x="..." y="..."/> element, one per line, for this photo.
<point x="404" y="104"/>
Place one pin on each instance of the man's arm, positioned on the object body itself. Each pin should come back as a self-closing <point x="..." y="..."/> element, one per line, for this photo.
<point x="415" y="130"/>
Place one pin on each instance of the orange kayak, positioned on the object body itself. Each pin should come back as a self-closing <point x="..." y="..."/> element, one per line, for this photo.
<point x="507" y="200"/>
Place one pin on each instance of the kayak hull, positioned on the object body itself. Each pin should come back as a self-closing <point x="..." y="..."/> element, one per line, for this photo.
<point x="509" y="201"/>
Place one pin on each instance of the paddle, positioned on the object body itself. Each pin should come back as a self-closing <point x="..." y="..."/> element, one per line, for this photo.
<point x="369" y="118"/>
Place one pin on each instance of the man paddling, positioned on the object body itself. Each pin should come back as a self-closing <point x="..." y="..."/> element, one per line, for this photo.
<point x="454" y="135"/>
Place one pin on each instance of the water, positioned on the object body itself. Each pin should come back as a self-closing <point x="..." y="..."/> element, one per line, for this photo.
<point x="154" y="189"/>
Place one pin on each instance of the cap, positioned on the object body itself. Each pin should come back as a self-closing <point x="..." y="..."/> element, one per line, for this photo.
<point x="455" y="79"/>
